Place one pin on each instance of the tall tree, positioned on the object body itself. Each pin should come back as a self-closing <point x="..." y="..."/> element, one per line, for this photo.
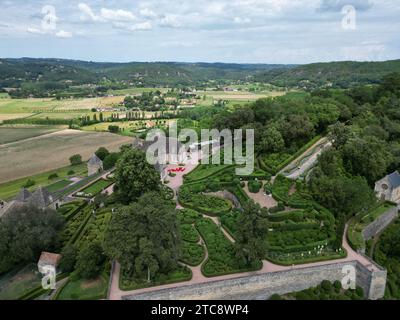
<point x="250" y="236"/>
<point x="144" y="236"/>
<point x="134" y="176"/>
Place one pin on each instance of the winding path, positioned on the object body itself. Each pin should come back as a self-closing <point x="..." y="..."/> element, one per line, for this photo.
<point x="116" y="293"/>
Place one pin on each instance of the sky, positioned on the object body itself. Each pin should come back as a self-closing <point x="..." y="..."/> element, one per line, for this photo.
<point x="234" y="31"/>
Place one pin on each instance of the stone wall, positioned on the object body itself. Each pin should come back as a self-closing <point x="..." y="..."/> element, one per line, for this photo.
<point x="261" y="287"/>
<point x="380" y="224"/>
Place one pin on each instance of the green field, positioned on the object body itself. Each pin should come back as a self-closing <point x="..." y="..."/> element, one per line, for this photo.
<point x="15" y="133"/>
<point x="10" y="189"/>
<point x="56" y="186"/>
<point x="97" y="187"/>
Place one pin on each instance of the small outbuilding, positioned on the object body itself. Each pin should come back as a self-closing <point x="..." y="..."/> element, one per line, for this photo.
<point x="388" y="188"/>
<point x="94" y="165"/>
<point x="49" y="259"/>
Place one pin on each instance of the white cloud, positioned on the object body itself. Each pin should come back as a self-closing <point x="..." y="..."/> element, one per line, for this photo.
<point x="171" y="21"/>
<point x="147" y="13"/>
<point x="87" y="12"/>
<point x="35" y="30"/>
<point x="63" y="34"/>
<point x="117" y="15"/>
<point x="142" y="26"/>
<point x="240" y="20"/>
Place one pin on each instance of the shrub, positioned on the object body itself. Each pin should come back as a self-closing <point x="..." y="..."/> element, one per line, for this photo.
<point x="76" y="159"/>
<point x="113" y="129"/>
<point x="29" y="183"/>
<point x="70" y="172"/>
<point x="254" y="186"/>
<point x="53" y="176"/>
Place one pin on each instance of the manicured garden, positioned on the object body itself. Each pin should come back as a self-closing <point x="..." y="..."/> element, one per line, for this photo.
<point x="190" y="196"/>
<point x="56" y="186"/>
<point x="180" y="274"/>
<point x="192" y="252"/>
<point x="221" y="252"/>
<point x="95" y="188"/>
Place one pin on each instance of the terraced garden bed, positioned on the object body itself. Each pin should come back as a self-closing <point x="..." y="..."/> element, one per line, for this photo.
<point x="94" y="189"/>
<point x="222" y="259"/>
<point x="180" y="274"/>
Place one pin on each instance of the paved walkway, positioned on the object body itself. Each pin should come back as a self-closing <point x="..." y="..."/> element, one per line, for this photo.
<point x="264" y="200"/>
<point x="296" y="168"/>
<point x="197" y="277"/>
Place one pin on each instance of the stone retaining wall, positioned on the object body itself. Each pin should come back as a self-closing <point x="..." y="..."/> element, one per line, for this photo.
<point x="380" y="224"/>
<point x="261" y="287"/>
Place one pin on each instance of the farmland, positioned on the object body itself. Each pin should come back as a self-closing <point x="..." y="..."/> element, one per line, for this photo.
<point x="52" y="151"/>
<point x="12" y="134"/>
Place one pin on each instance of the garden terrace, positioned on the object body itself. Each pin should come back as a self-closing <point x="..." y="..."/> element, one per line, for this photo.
<point x="193" y="253"/>
<point x="95" y="229"/>
<point x="301" y="236"/>
<point x="179" y="274"/>
<point x="361" y="221"/>
<point x="75" y="226"/>
<point x="190" y="196"/>
<point x="275" y="162"/>
<point x="94" y="189"/>
<point x="221" y="252"/>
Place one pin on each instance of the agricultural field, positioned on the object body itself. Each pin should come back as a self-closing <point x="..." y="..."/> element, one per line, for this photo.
<point x="15" y="133"/>
<point x="53" y="151"/>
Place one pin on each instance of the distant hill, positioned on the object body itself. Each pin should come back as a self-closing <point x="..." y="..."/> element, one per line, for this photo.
<point x="333" y="74"/>
<point x="13" y="72"/>
<point x="53" y="75"/>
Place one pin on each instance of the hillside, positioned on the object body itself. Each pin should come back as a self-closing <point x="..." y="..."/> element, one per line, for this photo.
<point x="334" y="74"/>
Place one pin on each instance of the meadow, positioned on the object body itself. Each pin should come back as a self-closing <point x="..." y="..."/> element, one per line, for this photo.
<point x="52" y="151"/>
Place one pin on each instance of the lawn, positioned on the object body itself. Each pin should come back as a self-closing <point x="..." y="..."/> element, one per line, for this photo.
<point x="53" y="151"/>
<point x="359" y="223"/>
<point x="56" y="186"/>
<point x="10" y="189"/>
<point x="203" y="171"/>
<point x="95" y="188"/>
<point x="17" y="282"/>
<point x="81" y="289"/>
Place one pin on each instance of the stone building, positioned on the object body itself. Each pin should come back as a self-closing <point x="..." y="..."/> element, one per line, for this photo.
<point x="388" y="188"/>
<point x="48" y="259"/>
<point x="94" y="165"/>
<point x="175" y="153"/>
<point x="41" y="198"/>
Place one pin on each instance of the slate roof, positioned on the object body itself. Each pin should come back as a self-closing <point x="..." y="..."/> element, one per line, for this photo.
<point x="95" y="160"/>
<point x="160" y="167"/>
<point x="23" y="195"/>
<point x="171" y="144"/>
<point x="394" y="179"/>
<point x="41" y="198"/>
